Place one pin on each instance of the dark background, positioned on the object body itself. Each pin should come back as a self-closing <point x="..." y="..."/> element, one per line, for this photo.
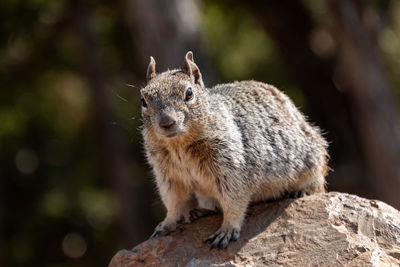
<point x="74" y="185"/>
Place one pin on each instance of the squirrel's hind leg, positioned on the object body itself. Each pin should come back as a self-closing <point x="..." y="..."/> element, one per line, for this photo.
<point x="314" y="186"/>
<point x="205" y="207"/>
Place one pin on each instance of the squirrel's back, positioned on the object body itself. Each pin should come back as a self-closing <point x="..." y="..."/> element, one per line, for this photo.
<point x="279" y="144"/>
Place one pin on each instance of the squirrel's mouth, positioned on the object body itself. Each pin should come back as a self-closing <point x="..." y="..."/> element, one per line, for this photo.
<point x="170" y="133"/>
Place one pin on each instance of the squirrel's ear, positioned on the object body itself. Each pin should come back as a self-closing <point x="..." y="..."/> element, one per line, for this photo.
<point x="191" y="69"/>
<point x="151" y="69"/>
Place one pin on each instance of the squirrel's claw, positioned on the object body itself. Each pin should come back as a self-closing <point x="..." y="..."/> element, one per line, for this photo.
<point x="158" y="231"/>
<point x="155" y="234"/>
<point x="162" y="230"/>
<point x="298" y="194"/>
<point x="221" y="239"/>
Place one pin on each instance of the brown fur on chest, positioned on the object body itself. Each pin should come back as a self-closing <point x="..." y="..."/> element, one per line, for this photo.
<point x="188" y="161"/>
<point x="198" y="156"/>
<point x="190" y="149"/>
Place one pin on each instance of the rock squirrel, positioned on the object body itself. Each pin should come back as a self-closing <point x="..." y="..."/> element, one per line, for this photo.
<point x="225" y="147"/>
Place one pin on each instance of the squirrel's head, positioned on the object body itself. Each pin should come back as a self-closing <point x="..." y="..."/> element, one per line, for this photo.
<point x="172" y="101"/>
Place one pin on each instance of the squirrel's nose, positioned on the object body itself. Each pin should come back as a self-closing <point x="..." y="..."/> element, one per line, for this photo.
<point x="166" y="122"/>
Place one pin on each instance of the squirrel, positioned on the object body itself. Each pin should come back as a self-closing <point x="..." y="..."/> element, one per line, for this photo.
<point x="225" y="147"/>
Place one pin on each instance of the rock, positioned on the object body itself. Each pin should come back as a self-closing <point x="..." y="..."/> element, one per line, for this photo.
<point x="332" y="229"/>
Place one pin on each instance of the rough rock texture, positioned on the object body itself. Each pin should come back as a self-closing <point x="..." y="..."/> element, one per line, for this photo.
<point x="332" y="229"/>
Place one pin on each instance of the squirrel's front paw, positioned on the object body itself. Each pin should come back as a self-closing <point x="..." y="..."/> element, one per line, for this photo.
<point x="163" y="229"/>
<point x="221" y="238"/>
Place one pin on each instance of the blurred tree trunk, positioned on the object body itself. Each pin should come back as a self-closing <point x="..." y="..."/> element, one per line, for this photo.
<point x="166" y="30"/>
<point x="290" y="26"/>
<point x="113" y="157"/>
<point x="373" y="107"/>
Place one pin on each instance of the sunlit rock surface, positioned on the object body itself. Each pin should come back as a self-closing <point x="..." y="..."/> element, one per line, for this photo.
<point x="332" y="229"/>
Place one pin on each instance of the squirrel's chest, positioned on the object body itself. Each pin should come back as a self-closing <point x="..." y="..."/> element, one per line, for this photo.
<point x="192" y="168"/>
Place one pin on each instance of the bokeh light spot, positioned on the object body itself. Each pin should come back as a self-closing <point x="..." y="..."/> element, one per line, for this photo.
<point x="26" y="161"/>
<point x="74" y="245"/>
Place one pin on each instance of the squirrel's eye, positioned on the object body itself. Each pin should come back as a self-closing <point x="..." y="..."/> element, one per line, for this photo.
<point x="144" y="104"/>
<point x="189" y="94"/>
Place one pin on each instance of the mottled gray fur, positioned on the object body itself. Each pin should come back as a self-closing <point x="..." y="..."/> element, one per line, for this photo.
<point x="225" y="147"/>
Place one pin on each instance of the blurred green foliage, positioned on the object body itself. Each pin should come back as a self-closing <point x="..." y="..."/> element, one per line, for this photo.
<point x="389" y="42"/>
<point x="241" y="49"/>
<point x="57" y="208"/>
<point x="50" y="179"/>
